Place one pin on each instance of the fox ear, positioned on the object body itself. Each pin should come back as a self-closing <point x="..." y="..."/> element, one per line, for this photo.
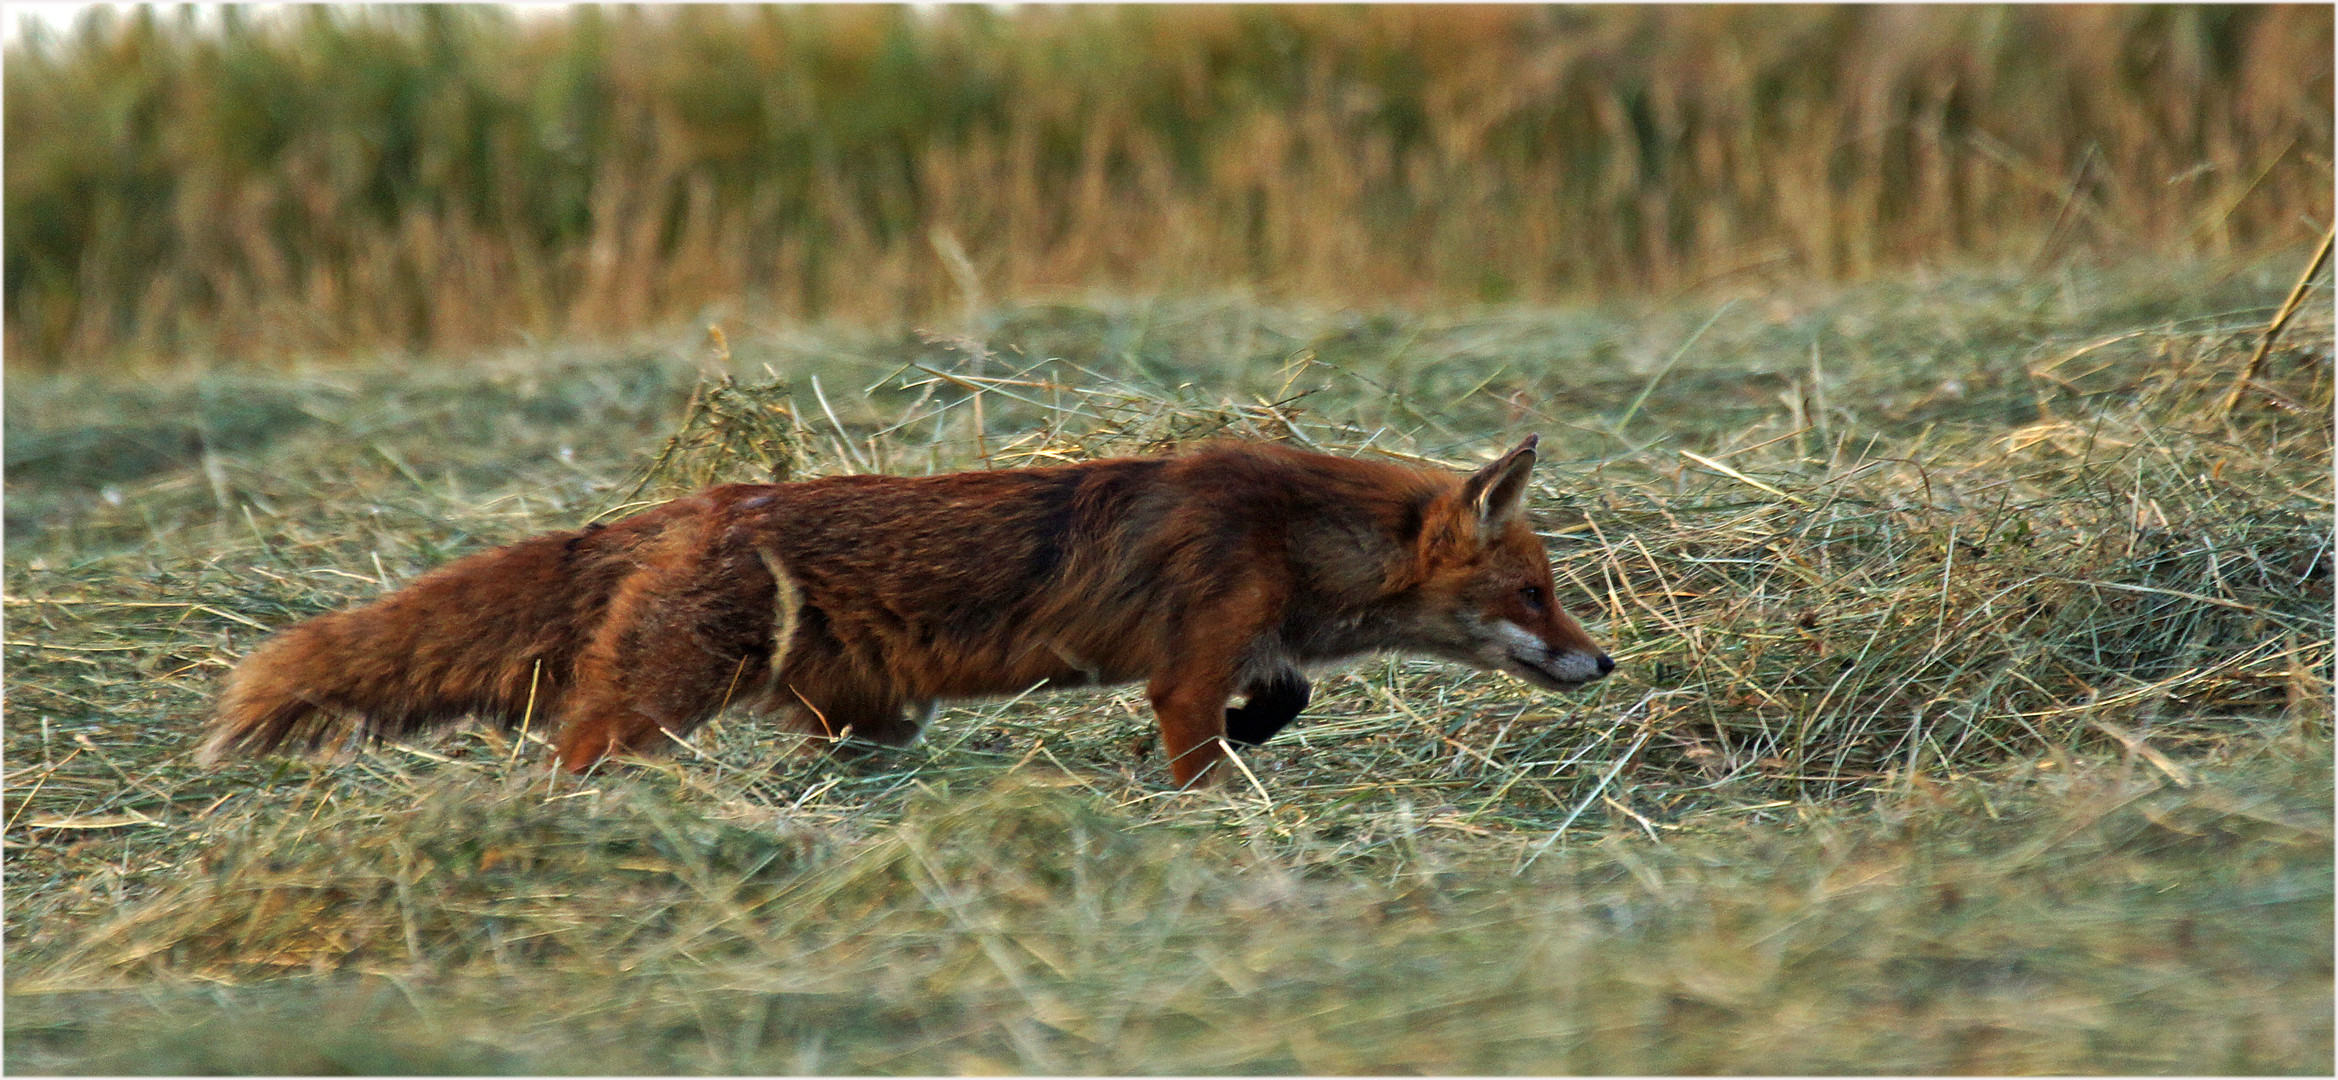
<point x="1497" y="493"/>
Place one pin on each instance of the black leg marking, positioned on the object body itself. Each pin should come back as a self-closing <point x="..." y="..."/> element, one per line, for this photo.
<point x="1272" y="704"/>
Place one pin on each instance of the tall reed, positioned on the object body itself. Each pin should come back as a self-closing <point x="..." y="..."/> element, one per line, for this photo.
<point x="343" y="179"/>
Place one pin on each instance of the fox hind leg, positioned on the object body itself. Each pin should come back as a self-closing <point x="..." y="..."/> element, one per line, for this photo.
<point x="650" y="694"/>
<point x="679" y="642"/>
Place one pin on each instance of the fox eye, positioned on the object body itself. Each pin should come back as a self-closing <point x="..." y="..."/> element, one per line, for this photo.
<point x="1532" y="595"/>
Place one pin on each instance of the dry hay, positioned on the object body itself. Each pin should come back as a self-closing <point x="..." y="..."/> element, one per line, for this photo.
<point x="1913" y="551"/>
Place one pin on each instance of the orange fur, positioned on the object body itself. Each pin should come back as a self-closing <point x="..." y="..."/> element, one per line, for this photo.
<point x="846" y="607"/>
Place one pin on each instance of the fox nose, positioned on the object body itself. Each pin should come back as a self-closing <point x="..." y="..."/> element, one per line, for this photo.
<point x="1606" y="664"/>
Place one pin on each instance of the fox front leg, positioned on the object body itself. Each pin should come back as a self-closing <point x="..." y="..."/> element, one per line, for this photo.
<point x="1274" y="702"/>
<point x="1190" y="703"/>
<point x="1189" y="692"/>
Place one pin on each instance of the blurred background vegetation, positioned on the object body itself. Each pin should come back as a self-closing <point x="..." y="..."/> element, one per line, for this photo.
<point x="340" y="180"/>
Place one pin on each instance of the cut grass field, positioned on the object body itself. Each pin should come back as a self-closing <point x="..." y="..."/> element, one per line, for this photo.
<point x="1973" y="714"/>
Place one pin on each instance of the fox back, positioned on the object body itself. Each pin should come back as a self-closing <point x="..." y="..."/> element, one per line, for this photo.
<point x="847" y="607"/>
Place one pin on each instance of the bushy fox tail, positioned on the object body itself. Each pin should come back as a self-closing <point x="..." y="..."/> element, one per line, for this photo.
<point x="493" y="635"/>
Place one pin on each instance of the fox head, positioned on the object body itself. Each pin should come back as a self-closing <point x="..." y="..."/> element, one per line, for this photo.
<point x="1480" y="585"/>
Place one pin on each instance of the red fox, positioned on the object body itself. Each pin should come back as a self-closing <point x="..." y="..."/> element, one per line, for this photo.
<point x="846" y="607"/>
